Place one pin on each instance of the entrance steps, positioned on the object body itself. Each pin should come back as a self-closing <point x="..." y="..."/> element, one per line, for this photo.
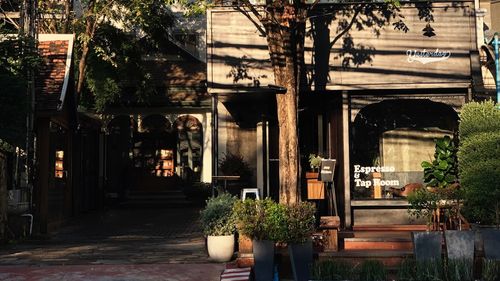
<point x="155" y="199"/>
<point x="390" y="244"/>
<point x="379" y="237"/>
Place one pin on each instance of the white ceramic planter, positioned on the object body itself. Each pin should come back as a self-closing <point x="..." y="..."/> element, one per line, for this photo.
<point x="220" y="248"/>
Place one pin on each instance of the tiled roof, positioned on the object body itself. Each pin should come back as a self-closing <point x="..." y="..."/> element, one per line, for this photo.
<point x="53" y="76"/>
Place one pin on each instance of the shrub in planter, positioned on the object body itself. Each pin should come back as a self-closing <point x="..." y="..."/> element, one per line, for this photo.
<point x="300" y="223"/>
<point x="264" y="222"/>
<point x="261" y="219"/>
<point x="479" y="161"/>
<point x="218" y="223"/>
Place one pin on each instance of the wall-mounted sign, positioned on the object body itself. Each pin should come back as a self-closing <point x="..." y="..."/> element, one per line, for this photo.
<point x="424" y="56"/>
<point x="365" y="181"/>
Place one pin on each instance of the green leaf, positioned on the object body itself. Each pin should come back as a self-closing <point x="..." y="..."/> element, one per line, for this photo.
<point x="443" y="165"/>
<point x="439" y="175"/>
<point x="426" y="165"/>
<point x="449" y="178"/>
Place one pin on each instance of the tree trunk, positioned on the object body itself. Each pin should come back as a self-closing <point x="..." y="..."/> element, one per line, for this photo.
<point x="90" y="26"/>
<point x="285" y="42"/>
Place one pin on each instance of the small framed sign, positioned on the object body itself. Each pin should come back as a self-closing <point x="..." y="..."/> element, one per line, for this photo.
<point x="327" y="171"/>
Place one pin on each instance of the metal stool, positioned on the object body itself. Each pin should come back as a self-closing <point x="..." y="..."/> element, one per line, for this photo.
<point x="246" y="191"/>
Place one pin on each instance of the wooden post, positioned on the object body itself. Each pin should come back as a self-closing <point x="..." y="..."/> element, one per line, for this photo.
<point x="346" y="165"/>
<point x="43" y="174"/>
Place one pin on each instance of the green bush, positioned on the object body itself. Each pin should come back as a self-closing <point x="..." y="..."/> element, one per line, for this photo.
<point x="300" y="222"/>
<point x="217" y="218"/>
<point x="477" y="117"/>
<point x="261" y="219"/>
<point x="479" y="161"/>
<point x="422" y="204"/>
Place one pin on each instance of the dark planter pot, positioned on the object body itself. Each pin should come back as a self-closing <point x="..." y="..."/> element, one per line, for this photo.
<point x="427" y="245"/>
<point x="460" y="244"/>
<point x="263" y="254"/>
<point x="301" y="257"/>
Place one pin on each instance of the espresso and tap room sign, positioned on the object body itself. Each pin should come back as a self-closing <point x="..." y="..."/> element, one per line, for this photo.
<point x="327" y="171"/>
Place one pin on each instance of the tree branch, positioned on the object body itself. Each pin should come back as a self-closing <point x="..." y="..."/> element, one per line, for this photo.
<point x="249" y="17"/>
<point x="348" y="27"/>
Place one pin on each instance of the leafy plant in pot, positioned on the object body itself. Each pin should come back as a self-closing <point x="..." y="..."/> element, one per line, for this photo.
<point x="440" y="179"/>
<point x="300" y="223"/>
<point x="218" y="222"/>
<point x="315" y="162"/>
<point x="264" y="222"/>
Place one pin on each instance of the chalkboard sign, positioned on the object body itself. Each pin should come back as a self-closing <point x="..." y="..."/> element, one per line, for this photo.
<point x="327" y="171"/>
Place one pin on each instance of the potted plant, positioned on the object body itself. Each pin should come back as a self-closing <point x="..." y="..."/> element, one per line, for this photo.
<point x="218" y="224"/>
<point x="315" y="188"/>
<point x="264" y="222"/>
<point x="442" y="189"/>
<point x="300" y="223"/>
<point x="315" y="162"/>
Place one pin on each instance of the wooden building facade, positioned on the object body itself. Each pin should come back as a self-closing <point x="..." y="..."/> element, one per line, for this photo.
<point x="377" y="94"/>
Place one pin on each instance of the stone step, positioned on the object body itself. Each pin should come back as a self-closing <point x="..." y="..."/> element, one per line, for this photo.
<point x="376" y="240"/>
<point x="390" y="258"/>
<point x="390" y="227"/>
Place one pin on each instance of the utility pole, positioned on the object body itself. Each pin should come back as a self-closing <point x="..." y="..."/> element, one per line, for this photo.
<point x="29" y="30"/>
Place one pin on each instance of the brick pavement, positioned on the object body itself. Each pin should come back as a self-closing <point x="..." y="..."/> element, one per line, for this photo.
<point x="163" y="244"/>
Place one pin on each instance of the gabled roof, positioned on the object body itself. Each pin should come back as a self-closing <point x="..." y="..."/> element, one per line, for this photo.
<point x="54" y="75"/>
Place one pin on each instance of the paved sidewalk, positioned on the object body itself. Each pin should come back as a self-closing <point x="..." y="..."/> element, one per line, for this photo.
<point x="120" y="244"/>
<point x="150" y="272"/>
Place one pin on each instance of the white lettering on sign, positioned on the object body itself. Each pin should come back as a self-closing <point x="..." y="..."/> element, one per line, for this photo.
<point x="358" y="170"/>
<point x="425" y="57"/>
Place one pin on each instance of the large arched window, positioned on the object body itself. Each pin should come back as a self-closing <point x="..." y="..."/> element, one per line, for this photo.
<point x="189" y="146"/>
<point x="390" y="139"/>
<point x="154" y="147"/>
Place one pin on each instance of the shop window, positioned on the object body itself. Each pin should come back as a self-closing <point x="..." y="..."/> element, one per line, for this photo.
<point x="59" y="169"/>
<point x="153" y="147"/>
<point x="189" y="147"/>
<point x="390" y="140"/>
